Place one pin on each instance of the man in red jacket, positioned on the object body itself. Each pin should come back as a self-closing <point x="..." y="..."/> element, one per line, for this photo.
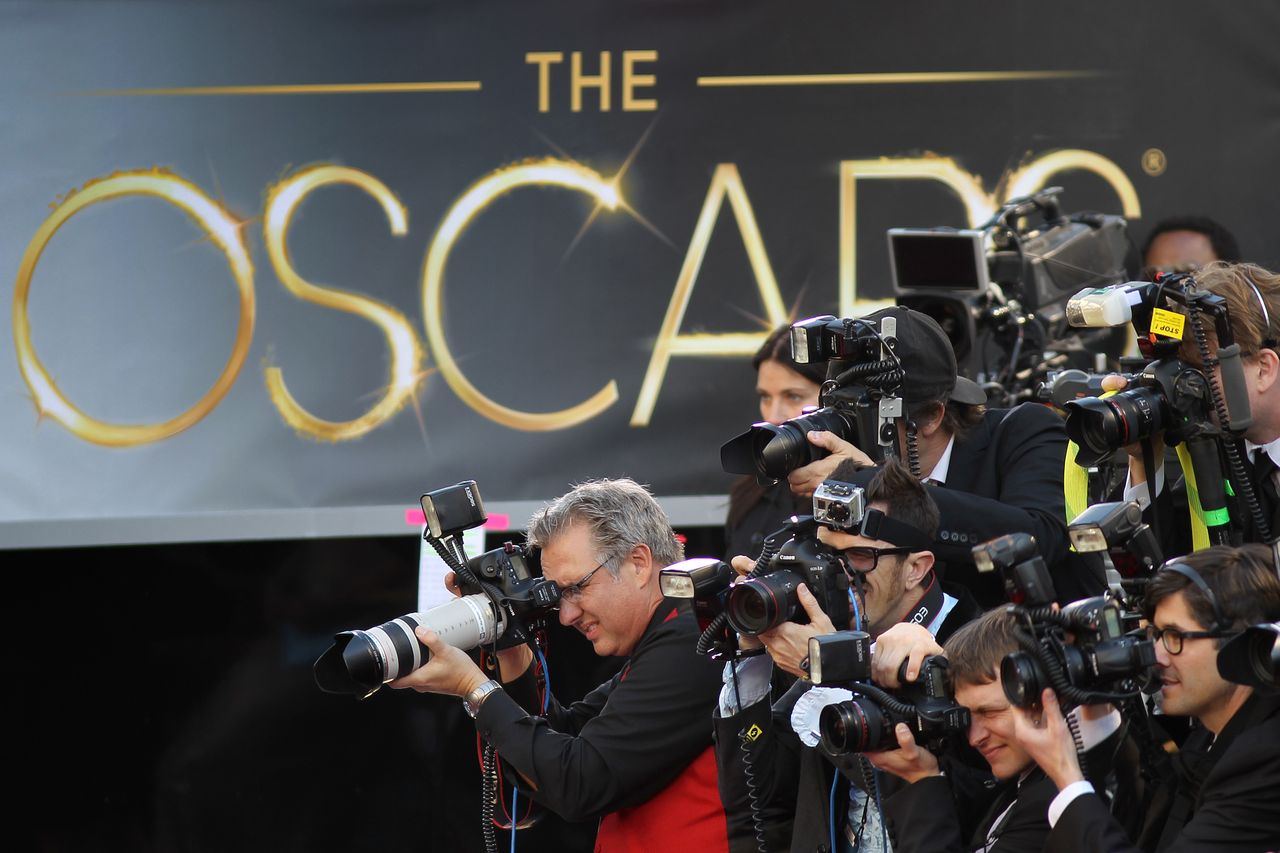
<point x="635" y="752"/>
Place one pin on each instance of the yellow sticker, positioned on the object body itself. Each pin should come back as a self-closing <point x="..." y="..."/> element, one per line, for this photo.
<point x="753" y="733"/>
<point x="1167" y="323"/>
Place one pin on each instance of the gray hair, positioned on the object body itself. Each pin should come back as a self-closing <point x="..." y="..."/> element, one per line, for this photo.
<point x="620" y="514"/>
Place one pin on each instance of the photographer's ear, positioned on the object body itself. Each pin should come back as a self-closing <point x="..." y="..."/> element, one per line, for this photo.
<point x="1268" y="367"/>
<point x="917" y="568"/>
<point x="640" y="560"/>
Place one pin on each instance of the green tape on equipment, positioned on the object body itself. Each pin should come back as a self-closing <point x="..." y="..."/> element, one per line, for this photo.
<point x="1217" y="517"/>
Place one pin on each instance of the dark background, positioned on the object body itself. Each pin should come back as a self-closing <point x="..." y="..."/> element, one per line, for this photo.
<point x="162" y="699"/>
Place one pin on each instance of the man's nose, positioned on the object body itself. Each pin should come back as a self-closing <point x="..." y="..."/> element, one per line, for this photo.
<point x="568" y="612"/>
<point x="977" y="732"/>
<point x="1163" y="658"/>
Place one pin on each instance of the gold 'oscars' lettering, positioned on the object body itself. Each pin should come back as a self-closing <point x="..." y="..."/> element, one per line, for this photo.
<point x="544" y="60"/>
<point x="579" y="81"/>
<point x="632" y="81"/>
<point x="725" y="181"/>
<point x="221" y="228"/>
<point x="979" y="205"/>
<point x="548" y="172"/>
<point x="283" y="201"/>
<point x="1035" y="175"/>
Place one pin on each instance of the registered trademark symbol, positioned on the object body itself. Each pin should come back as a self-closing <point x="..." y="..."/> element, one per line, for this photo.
<point x="1154" y="162"/>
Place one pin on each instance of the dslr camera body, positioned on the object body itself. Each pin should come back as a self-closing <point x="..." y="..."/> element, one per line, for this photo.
<point x="1206" y="410"/>
<point x="1099" y="662"/>
<point x="865" y="722"/>
<point x="728" y="606"/>
<point x="501" y="604"/>
<point x="859" y="399"/>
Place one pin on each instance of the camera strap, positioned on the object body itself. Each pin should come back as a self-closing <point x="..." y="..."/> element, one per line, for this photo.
<point x="930" y="606"/>
<point x="877" y="525"/>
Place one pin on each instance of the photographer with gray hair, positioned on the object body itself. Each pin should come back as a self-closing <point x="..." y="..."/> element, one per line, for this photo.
<point x="636" y="752"/>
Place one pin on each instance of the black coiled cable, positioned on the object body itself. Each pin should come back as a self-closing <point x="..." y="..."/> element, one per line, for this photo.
<point x="897" y="706"/>
<point x="1238" y="474"/>
<point x="767" y="553"/>
<point x="913" y="450"/>
<point x="1058" y="680"/>
<point x="487" y="797"/>
<point x="753" y="796"/>
<point x="874" y="374"/>
<point x="713" y="631"/>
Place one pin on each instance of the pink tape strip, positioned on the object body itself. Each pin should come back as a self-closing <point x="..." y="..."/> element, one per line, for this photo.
<point x="497" y="521"/>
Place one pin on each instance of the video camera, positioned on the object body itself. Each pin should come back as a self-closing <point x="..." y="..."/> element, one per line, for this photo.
<point x="998" y="290"/>
<point x="1184" y="403"/>
<point x="501" y="604"/>
<point x="860" y="399"/>
<point x="865" y="722"/>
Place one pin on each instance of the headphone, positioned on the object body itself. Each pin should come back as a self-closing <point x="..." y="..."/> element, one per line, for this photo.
<point x="1220" y="623"/>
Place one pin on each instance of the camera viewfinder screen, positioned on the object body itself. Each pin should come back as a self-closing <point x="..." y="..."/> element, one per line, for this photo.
<point x="937" y="260"/>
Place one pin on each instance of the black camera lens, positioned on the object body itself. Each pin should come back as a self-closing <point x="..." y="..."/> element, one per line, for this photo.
<point x="857" y="725"/>
<point x="1023" y="679"/>
<point x="772" y="451"/>
<point x="758" y="604"/>
<point x="1100" y="426"/>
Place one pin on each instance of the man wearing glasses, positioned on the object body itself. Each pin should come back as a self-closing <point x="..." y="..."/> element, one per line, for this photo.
<point x="636" y="751"/>
<point x="1223" y="793"/>
<point x="903" y="606"/>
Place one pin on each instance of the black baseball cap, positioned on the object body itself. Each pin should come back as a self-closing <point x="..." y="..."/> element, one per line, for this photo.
<point x="927" y="359"/>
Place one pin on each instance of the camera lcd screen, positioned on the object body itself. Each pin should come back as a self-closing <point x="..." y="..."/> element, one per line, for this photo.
<point x="925" y="259"/>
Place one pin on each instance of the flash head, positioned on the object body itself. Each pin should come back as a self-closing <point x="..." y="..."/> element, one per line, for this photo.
<point x="1004" y="552"/>
<point x="699" y="577"/>
<point x="453" y="509"/>
<point x="840" y="658"/>
<point x="1102" y="527"/>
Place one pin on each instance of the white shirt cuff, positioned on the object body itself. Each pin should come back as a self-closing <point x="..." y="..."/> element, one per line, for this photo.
<point x="1095" y="731"/>
<point x="1064" y="798"/>
<point x="1139" y="492"/>
<point x="752" y="684"/>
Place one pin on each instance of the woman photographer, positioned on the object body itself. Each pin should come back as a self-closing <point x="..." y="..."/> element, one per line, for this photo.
<point x="784" y="388"/>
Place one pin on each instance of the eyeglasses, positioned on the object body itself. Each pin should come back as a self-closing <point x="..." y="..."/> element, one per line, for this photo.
<point x="1172" y="638"/>
<point x="865" y="560"/>
<point x="573" y="592"/>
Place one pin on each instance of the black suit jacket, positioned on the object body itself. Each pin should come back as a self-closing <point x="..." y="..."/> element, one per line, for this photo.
<point x="924" y="817"/>
<point x="1235" y="809"/>
<point x="761" y="760"/>
<point x="1005" y="477"/>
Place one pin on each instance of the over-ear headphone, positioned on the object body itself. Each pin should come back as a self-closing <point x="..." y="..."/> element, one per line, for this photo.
<point x="1220" y="623"/>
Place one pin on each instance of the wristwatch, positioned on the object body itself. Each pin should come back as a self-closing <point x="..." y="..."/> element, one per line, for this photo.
<point x="473" y="700"/>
